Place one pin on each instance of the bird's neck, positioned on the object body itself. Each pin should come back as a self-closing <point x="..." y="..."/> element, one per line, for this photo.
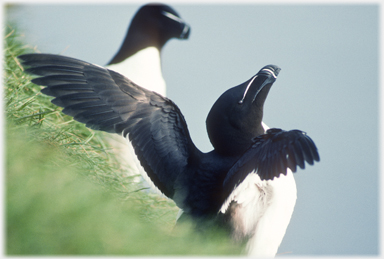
<point x="144" y="69"/>
<point x="135" y="41"/>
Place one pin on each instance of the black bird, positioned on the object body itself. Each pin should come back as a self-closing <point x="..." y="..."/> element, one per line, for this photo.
<point x="245" y="183"/>
<point x="139" y="57"/>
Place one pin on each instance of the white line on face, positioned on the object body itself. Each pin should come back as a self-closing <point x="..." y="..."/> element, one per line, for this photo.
<point x="270" y="71"/>
<point x="172" y="16"/>
<point x="246" y="89"/>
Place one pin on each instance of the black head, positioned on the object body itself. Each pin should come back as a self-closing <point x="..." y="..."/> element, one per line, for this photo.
<point x="161" y="22"/>
<point x="152" y="25"/>
<point x="235" y="118"/>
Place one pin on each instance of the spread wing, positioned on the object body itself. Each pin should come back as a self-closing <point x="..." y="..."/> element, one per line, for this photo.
<point x="105" y="100"/>
<point x="270" y="155"/>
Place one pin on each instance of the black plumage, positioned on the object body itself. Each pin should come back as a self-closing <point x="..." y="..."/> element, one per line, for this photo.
<point x="198" y="182"/>
<point x="152" y="25"/>
<point x="271" y="154"/>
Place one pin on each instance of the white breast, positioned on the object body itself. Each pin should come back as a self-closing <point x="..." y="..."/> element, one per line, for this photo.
<point x="272" y="225"/>
<point x="260" y="211"/>
<point x="144" y="69"/>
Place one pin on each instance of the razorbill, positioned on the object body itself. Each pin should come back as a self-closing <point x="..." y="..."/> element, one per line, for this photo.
<point x="139" y="59"/>
<point x="245" y="184"/>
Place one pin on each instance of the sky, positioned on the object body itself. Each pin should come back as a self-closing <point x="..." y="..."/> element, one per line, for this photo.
<point x="328" y="87"/>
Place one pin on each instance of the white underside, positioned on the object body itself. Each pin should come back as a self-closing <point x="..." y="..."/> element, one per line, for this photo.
<point x="262" y="211"/>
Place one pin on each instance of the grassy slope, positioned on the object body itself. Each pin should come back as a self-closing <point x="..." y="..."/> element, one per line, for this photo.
<point x="66" y="195"/>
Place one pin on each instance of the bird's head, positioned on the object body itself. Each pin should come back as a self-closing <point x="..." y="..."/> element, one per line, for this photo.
<point x="235" y="118"/>
<point x="162" y="20"/>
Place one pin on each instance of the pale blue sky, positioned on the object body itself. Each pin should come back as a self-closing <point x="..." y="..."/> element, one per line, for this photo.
<point x="328" y="87"/>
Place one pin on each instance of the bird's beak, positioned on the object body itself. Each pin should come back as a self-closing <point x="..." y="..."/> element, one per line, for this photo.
<point x="266" y="76"/>
<point x="185" y="32"/>
<point x="185" y="28"/>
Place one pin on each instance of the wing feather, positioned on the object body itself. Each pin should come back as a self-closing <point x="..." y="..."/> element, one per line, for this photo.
<point x="105" y="100"/>
<point x="270" y="155"/>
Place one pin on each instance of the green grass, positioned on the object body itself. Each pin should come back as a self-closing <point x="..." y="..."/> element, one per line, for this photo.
<point x="66" y="194"/>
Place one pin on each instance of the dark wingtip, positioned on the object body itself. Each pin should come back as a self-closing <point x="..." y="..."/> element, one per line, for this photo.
<point x="25" y="57"/>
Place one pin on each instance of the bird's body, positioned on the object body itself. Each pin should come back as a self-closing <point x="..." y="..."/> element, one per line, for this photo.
<point x="139" y="59"/>
<point x="244" y="184"/>
<point x="260" y="211"/>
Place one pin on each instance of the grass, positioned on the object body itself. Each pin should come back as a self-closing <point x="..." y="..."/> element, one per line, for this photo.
<point x="66" y="194"/>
